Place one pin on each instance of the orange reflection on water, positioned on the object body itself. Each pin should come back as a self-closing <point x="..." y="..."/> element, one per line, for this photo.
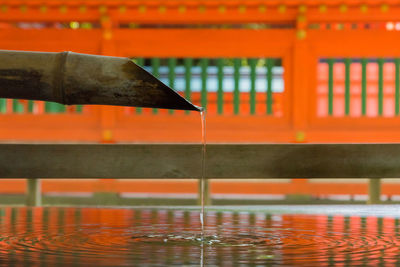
<point x="159" y="237"/>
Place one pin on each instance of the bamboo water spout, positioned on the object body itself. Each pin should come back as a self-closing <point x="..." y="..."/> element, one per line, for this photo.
<point x="71" y="78"/>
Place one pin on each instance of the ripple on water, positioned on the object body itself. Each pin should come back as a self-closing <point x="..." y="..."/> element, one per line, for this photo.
<point x="112" y="237"/>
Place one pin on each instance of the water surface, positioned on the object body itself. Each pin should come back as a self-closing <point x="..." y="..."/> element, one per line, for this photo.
<point x="234" y="237"/>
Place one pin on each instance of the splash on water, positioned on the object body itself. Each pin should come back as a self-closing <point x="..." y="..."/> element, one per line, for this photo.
<point x="132" y="237"/>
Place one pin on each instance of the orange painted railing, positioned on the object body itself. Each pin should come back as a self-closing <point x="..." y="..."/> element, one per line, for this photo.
<point x="219" y="188"/>
<point x="300" y="33"/>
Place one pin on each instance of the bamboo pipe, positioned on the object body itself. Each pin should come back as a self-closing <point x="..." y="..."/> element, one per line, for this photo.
<point x="71" y="78"/>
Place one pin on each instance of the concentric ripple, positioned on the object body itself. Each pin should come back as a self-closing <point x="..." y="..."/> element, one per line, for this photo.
<point x="128" y="237"/>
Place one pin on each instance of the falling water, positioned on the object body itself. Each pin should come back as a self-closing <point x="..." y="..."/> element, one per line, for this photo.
<point x="203" y="169"/>
<point x="201" y="254"/>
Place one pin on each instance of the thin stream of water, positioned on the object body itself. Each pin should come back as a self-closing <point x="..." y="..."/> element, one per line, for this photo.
<point x="203" y="169"/>
<point x="201" y="254"/>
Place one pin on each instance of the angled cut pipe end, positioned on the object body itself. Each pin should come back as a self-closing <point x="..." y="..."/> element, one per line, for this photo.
<point x="117" y="81"/>
<point x="72" y="78"/>
<point x="151" y="92"/>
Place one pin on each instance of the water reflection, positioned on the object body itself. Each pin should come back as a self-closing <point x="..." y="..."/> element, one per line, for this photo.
<point x="144" y="237"/>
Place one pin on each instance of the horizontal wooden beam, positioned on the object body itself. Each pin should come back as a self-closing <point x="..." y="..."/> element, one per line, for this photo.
<point x="199" y="11"/>
<point x="184" y="161"/>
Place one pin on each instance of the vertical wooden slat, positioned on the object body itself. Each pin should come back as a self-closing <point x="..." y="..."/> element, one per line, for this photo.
<point x="188" y="76"/>
<point x="330" y="86"/>
<point x="236" y="90"/>
<point x="30" y="106"/>
<point x="253" y="76"/>
<point x="380" y="86"/>
<point x="40" y="107"/>
<point x="204" y="66"/>
<point x="270" y="65"/>
<point x="79" y="109"/>
<point x="3" y="105"/>
<point x="347" y="64"/>
<point x="17" y="106"/>
<point x="9" y="106"/>
<point x="364" y="86"/>
<point x="155" y="64"/>
<point x="171" y="76"/>
<point x="220" y="92"/>
<point x="60" y="108"/>
<point x="51" y="107"/>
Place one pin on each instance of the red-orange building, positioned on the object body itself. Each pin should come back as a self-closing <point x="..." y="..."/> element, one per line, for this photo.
<point x="267" y="71"/>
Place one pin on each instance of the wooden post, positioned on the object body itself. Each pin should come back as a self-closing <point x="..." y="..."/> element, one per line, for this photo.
<point x="107" y="189"/>
<point x="374" y="191"/>
<point x="301" y="67"/>
<point x="33" y="190"/>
